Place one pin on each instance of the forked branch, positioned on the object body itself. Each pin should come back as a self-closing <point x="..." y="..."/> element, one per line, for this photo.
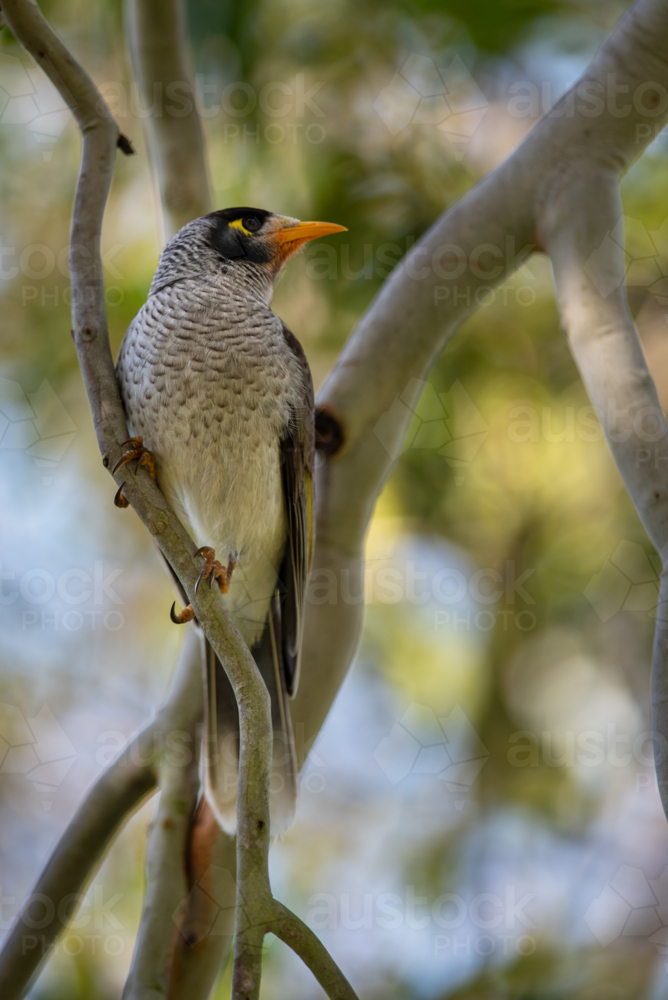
<point x="533" y="201"/>
<point x="100" y="138"/>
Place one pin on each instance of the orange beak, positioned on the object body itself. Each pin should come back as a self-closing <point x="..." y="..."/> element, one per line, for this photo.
<point x="305" y="231"/>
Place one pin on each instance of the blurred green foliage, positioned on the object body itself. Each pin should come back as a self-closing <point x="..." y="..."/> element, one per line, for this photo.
<point x="540" y="498"/>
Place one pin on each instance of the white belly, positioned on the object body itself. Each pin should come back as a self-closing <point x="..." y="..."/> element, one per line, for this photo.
<point x="224" y="483"/>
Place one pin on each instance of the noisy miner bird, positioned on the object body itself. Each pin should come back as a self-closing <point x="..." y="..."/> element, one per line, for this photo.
<point x="219" y="400"/>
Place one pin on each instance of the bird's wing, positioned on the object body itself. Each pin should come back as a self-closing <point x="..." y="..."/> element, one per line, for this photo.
<point x="297" y="463"/>
<point x="279" y="650"/>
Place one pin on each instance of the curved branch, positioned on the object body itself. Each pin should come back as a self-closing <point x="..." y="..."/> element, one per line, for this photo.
<point x="297" y="935"/>
<point x="158" y="37"/>
<point x="100" y="136"/>
<point x="588" y="270"/>
<point x="580" y="214"/>
<point x="382" y="367"/>
<point x="116" y="794"/>
<point x="419" y="307"/>
<point x="253" y="891"/>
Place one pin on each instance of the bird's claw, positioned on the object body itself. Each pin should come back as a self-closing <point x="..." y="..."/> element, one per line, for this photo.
<point x="144" y="458"/>
<point x="211" y="570"/>
<point x="214" y="570"/>
<point x="120" y="499"/>
<point x="187" y="615"/>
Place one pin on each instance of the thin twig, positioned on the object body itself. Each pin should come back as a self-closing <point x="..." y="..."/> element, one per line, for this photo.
<point x="294" y="932"/>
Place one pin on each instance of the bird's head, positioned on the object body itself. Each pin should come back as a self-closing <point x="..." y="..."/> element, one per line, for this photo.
<point x="246" y="243"/>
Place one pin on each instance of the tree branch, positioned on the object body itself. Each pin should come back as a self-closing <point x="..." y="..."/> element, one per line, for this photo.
<point x="167" y="889"/>
<point x="100" y="136"/>
<point x="207" y="926"/>
<point x="116" y="794"/>
<point x="158" y="37"/>
<point x="158" y="42"/>
<point x="383" y="365"/>
<point x="295" y="933"/>
<point x="397" y="341"/>
<point x="581" y="212"/>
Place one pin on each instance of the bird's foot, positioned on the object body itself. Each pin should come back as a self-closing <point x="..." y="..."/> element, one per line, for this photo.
<point x="144" y="458"/>
<point x="211" y="570"/>
<point x="187" y="615"/>
<point x="214" y="570"/>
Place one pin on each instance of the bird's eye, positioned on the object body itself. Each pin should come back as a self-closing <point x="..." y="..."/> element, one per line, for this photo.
<point x="251" y="223"/>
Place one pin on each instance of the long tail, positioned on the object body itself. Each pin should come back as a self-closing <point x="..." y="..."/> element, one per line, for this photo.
<point x="221" y="752"/>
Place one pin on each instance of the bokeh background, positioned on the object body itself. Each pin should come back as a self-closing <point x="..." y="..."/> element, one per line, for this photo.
<point x="479" y="817"/>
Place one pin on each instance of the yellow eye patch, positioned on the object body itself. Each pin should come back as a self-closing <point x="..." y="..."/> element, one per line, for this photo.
<point x="237" y="224"/>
